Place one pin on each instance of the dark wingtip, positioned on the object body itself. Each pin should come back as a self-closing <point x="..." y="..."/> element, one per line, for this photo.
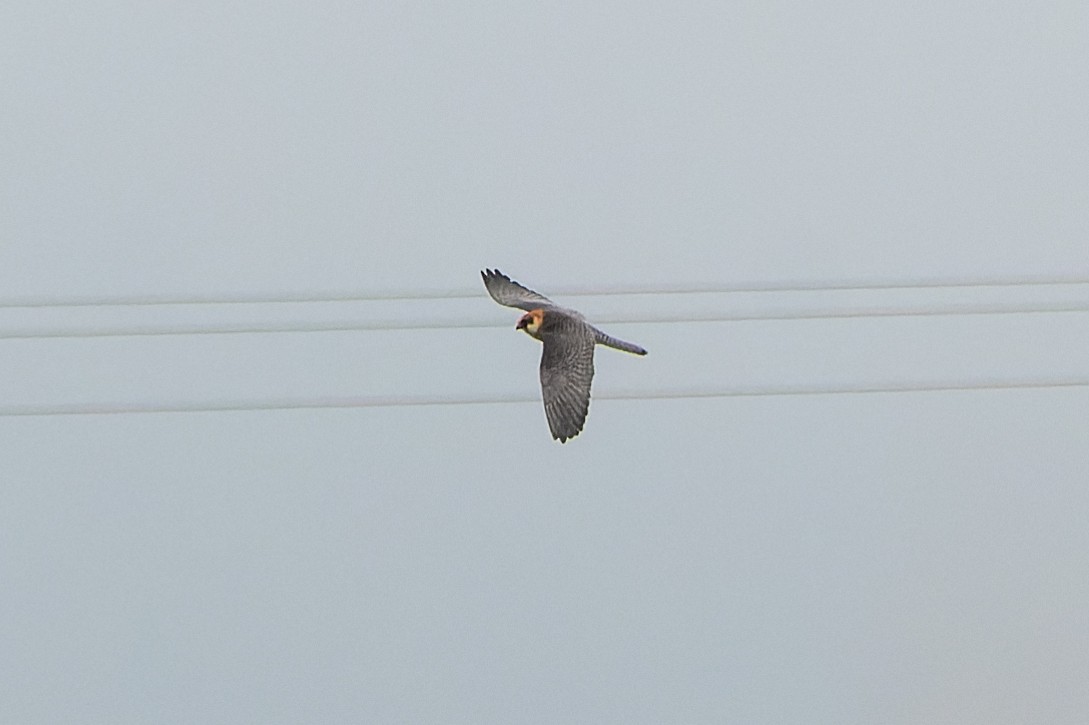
<point x="564" y="437"/>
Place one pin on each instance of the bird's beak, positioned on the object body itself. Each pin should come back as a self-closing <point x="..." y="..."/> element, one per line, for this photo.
<point x="521" y="323"/>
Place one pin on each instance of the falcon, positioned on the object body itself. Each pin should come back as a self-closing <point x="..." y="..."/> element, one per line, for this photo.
<point x="567" y="361"/>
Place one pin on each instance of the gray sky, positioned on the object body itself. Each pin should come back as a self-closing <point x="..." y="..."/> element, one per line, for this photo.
<point x="890" y="558"/>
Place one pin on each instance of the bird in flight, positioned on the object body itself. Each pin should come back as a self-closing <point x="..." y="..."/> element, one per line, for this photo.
<point x="567" y="361"/>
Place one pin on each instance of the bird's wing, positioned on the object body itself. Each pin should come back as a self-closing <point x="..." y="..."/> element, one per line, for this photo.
<point x="507" y="292"/>
<point x="567" y="368"/>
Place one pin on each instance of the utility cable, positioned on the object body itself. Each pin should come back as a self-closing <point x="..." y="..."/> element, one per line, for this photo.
<point x="557" y="292"/>
<point x="137" y="330"/>
<point x="85" y="409"/>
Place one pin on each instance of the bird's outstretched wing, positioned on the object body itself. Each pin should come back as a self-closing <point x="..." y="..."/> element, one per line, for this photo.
<point x="509" y="293"/>
<point x="567" y="369"/>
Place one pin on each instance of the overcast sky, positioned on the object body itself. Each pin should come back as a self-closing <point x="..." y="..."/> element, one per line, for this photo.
<point x="835" y="558"/>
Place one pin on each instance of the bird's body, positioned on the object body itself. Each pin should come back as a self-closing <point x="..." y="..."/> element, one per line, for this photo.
<point x="567" y="361"/>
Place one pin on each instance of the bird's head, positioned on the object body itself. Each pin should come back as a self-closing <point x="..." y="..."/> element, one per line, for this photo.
<point x="531" y="323"/>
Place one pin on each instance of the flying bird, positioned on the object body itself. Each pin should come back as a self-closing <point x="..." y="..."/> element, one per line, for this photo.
<point x="567" y="361"/>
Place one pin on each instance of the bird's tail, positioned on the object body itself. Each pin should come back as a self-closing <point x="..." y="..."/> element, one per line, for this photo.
<point x="609" y="341"/>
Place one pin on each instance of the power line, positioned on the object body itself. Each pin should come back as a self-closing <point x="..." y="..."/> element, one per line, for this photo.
<point x="431" y="324"/>
<point x="150" y="300"/>
<point x="436" y="401"/>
